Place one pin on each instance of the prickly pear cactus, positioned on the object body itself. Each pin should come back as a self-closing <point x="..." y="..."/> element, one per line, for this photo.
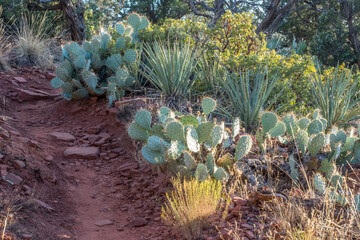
<point x="99" y="66"/>
<point x="190" y="141"/>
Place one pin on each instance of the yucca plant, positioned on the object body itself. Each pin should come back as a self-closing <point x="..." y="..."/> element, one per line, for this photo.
<point x="170" y="68"/>
<point x="337" y="96"/>
<point x="248" y="94"/>
<point x="210" y="73"/>
<point x="31" y="40"/>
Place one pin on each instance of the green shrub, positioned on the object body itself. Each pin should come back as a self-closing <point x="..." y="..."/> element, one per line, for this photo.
<point x="234" y="46"/>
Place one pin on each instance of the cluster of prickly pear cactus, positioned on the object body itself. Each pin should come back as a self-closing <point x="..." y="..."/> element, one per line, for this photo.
<point x="310" y="136"/>
<point x="98" y="66"/>
<point x="201" y="148"/>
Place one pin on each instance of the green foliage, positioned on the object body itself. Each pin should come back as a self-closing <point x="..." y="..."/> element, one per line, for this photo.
<point x="335" y="93"/>
<point x="195" y="148"/>
<point x="99" y="66"/>
<point x="232" y="45"/>
<point x="170" y="68"/>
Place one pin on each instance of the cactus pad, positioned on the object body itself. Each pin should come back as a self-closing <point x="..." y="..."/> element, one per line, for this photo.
<point x="189" y="161"/>
<point x="217" y="135"/>
<point x="204" y="131"/>
<point x="143" y="119"/>
<point x="130" y="55"/>
<point x="120" y="28"/>
<point x="302" y="139"/>
<point x="316" y="144"/>
<point x="192" y="140"/>
<point x="208" y="105"/>
<point x="154" y="157"/>
<point x="189" y="120"/>
<point x="175" y="131"/>
<point x="220" y="174"/>
<point x="134" y="20"/>
<point x="315" y="127"/>
<point x="243" y="147"/>
<point x="268" y="121"/>
<point x="176" y="149"/>
<point x="278" y="130"/>
<point x="56" y="82"/>
<point x="137" y="132"/>
<point x="304" y="123"/>
<point x="319" y="183"/>
<point x="201" y="173"/>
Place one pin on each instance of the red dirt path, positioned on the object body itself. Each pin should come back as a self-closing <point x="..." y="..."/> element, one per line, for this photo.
<point x="78" y="193"/>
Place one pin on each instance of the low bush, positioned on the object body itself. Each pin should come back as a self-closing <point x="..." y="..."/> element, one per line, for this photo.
<point x="31" y="41"/>
<point x="190" y="205"/>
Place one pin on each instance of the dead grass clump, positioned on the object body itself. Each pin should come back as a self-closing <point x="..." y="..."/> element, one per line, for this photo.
<point x="31" y="41"/>
<point x="191" y="204"/>
<point x="7" y="214"/>
<point x="324" y="219"/>
<point x="4" y="66"/>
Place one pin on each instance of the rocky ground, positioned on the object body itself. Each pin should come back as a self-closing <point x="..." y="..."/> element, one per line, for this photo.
<point x="70" y="171"/>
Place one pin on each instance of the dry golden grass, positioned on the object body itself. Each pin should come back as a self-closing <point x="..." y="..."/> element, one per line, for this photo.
<point x="31" y="40"/>
<point x="7" y="214"/>
<point x="191" y="204"/>
<point x="3" y="45"/>
<point x="325" y="219"/>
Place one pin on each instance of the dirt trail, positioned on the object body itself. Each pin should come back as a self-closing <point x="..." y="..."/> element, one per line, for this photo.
<point x="106" y="197"/>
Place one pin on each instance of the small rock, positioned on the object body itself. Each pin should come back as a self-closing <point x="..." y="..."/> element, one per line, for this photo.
<point x="18" y="164"/>
<point x="42" y="204"/>
<point x="50" y="76"/>
<point x="82" y="152"/>
<point x="49" y="158"/>
<point x="139" y="222"/>
<point x="246" y="226"/>
<point x="61" y="136"/>
<point x="26" y="237"/>
<point x="93" y="130"/>
<point x="13" y="179"/>
<point x="249" y="234"/>
<point x="20" y="79"/>
<point x="104" y="223"/>
<point x="27" y="190"/>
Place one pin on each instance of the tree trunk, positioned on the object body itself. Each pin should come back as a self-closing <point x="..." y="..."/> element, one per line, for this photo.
<point x="352" y="32"/>
<point x="74" y="16"/>
<point x="75" y="19"/>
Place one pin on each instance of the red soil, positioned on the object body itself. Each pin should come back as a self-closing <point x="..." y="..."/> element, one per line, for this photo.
<point x="74" y="194"/>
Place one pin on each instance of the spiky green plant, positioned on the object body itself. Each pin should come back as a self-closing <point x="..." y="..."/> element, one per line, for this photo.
<point x="170" y="68"/>
<point x="337" y="96"/>
<point x="248" y="94"/>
